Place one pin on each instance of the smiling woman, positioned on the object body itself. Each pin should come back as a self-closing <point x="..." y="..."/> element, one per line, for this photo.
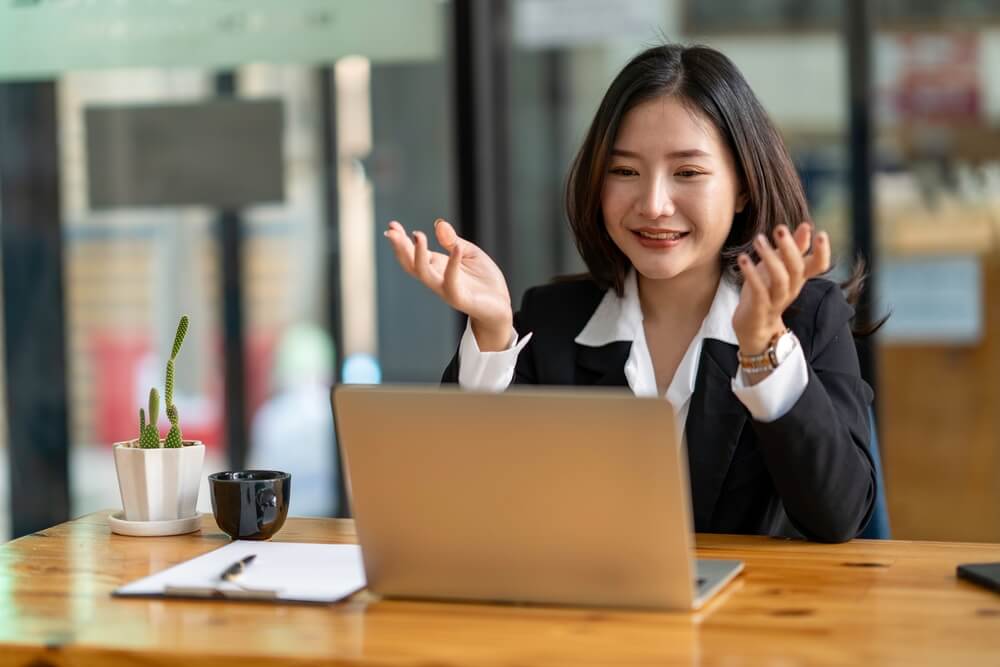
<point x="703" y="288"/>
<point x="659" y="195"/>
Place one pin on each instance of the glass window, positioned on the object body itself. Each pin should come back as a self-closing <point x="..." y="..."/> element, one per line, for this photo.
<point x="348" y="112"/>
<point x="937" y="192"/>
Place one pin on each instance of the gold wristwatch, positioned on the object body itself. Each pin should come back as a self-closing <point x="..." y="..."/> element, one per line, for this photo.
<point x="778" y="349"/>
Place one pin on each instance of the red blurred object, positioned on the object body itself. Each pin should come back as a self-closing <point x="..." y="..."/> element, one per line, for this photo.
<point x="259" y="362"/>
<point x="116" y="359"/>
<point x="936" y="77"/>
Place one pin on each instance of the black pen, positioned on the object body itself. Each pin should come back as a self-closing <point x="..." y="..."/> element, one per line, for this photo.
<point x="233" y="572"/>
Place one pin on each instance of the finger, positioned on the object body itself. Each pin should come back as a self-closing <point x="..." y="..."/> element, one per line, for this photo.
<point x="449" y="238"/>
<point x="753" y="280"/>
<point x="819" y="261"/>
<point x="422" y="262"/>
<point x="791" y="257"/>
<point x="393" y="229"/>
<point x="777" y="275"/>
<point x="401" y="246"/>
<point x="803" y="236"/>
<point x="452" y="270"/>
<point x="445" y="234"/>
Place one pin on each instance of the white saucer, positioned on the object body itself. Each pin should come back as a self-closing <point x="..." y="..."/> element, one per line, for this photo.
<point x="153" y="528"/>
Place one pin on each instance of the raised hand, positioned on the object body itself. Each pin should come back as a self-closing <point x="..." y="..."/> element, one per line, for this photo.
<point x="771" y="285"/>
<point x="466" y="279"/>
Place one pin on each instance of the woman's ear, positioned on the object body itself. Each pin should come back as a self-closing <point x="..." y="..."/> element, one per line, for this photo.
<point x="741" y="201"/>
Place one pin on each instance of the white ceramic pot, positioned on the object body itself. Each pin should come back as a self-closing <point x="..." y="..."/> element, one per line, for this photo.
<point x="159" y="484"/>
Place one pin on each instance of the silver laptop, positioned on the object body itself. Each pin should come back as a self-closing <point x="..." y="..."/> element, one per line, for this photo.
<point x="551" y="496"/>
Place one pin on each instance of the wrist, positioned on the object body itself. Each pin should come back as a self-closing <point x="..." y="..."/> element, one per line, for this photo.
<point x="492" y="336"/>
<point x="756" y="367"/>
<point x="757" y="341"/>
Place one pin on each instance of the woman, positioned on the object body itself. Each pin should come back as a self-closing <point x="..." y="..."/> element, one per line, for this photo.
<point x="703" y="288"/>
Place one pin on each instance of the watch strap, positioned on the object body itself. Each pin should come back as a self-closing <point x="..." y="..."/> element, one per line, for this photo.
<point x="765" y="361"/>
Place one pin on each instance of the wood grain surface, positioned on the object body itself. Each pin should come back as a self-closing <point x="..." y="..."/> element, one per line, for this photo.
<point x="860" y="603"/>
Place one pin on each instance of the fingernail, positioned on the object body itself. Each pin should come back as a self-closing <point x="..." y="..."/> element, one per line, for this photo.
<point x="781" y="232"/>
<point x="385" y="234"/>
<point x="438" y="221"/>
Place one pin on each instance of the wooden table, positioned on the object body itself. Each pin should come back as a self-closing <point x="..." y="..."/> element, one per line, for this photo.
<point x="861" y="603"/>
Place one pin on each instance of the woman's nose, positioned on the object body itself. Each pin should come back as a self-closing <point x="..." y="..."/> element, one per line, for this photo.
<point x="655" y="200"/>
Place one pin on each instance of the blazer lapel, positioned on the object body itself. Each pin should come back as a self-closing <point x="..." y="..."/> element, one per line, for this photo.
<point x="602" y="366"/>
<point x="715" y="420"/>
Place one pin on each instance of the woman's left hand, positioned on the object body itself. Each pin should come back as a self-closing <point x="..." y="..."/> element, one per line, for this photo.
<point x="772" y="284"/>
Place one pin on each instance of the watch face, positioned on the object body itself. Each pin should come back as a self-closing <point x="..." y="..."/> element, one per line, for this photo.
<point x="784" y="346"/>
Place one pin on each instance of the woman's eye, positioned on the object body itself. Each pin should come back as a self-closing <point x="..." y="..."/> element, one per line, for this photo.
<point x="688" y="173"/>
<point x="623" y="171"/>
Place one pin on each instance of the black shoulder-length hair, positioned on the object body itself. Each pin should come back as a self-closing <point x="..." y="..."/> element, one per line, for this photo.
<point x="708" y="83"/>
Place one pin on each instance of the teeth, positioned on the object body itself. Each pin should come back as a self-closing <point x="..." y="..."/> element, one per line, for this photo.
<point x="662" y="236"/>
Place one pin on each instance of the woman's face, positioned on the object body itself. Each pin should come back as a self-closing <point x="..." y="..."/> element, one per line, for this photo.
<point x="670" y="192"/>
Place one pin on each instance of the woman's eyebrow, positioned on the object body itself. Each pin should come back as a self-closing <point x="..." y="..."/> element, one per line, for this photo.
<point x="689" y="152"/>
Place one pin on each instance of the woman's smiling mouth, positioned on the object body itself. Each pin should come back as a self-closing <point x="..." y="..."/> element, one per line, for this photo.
<point x="659" y="238"/>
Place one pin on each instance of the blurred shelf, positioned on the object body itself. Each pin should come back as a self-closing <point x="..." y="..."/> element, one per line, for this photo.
<point x="968" y="232"/>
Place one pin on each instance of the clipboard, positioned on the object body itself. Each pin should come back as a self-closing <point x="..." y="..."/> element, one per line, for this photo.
<point x="281" y="572"/>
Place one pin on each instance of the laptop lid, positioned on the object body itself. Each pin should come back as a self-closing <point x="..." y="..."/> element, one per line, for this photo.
<point x="557" y="496"/>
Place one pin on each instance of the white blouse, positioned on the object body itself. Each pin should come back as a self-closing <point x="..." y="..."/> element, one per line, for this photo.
<point x="620" y="319"/>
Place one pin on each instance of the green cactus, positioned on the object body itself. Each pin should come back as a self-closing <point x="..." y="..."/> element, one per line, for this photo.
<point x="182" y="328"/>
<point x="149" y="435"/>
<point x="170" y="383"/>
<point x="154" y="406"/>
<point x="174" y="438"/>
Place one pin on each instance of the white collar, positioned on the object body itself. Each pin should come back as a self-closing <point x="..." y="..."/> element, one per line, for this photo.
<point x="620" y="319"/>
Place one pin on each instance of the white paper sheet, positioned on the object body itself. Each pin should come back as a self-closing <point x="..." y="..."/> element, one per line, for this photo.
<point x="280" y="571"/>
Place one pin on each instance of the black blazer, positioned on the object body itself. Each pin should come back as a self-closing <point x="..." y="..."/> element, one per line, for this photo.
<point x="807" y="474"/>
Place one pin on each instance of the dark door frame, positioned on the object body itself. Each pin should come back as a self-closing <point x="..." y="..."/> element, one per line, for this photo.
<point x="33" y="307"/>
<point x="858" y="39"/>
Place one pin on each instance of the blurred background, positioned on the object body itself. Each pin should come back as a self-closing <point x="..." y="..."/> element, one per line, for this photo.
<point x="237" y="161"/>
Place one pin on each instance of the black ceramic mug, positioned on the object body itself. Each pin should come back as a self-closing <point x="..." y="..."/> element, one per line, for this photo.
<point x="250" y="504"/>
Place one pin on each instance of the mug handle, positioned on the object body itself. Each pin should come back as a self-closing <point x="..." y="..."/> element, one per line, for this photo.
<point x="267" y="506"/>
<point x="266" y="498"/>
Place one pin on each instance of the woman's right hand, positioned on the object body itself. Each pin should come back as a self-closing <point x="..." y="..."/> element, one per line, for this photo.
<point x="466" y="279"/>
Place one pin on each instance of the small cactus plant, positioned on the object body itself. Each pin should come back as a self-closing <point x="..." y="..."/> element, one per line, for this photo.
<point x="149" y="435"/>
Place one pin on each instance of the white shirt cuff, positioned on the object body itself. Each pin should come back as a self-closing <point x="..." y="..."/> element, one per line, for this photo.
<point x="487" y="371"/>
<point x="772" y="398"/>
